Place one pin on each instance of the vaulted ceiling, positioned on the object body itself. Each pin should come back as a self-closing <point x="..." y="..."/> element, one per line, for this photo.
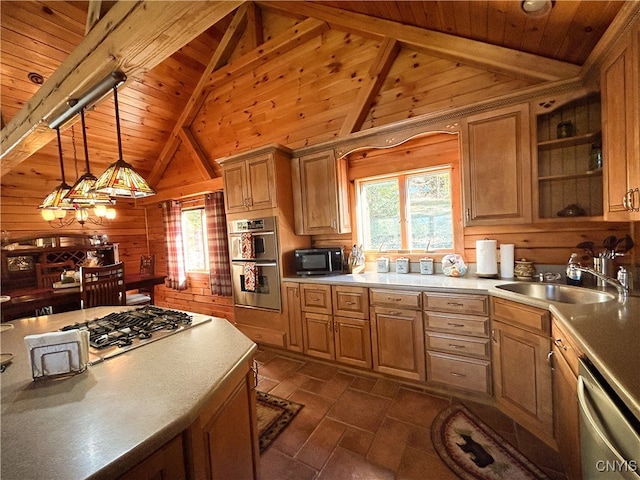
<point x="295" y="73"/>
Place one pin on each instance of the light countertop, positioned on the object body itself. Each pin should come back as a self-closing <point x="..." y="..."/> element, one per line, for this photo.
<point x="608" y="333"/>
<point x="100" y="423"/>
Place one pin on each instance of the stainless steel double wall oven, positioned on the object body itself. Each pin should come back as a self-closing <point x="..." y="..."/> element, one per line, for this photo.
<point x="253" y="246"/>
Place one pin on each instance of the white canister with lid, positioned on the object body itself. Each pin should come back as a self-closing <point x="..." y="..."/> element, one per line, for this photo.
<point x="382" y="265"/>
<point x="426" y="266"/>
<point x="402" y="265"/>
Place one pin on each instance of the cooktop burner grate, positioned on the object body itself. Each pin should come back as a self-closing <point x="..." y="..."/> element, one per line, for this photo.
<point x="125" y="330"/>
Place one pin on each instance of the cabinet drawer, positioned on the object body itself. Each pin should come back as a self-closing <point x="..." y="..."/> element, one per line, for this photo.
<point x="351" y="302"/>
<point x="564" y="345"/>
<point x="460" y="324"/>
<point x="399" y="298"/>
<point x="456" y="303"/>
<point x="315" y="298"/>
<point x="531" y="318"/>
<point x="476" y="347"/>
<point x="465" y="373"/>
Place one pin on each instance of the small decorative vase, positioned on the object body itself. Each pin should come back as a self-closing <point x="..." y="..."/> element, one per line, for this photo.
<point x="524" y="269"/>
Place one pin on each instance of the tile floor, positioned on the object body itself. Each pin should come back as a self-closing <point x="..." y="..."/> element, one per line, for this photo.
<point x="355" y="426"/>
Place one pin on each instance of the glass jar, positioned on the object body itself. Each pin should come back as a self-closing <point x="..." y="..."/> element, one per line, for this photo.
<point x="565" y="129"/>
<point x="595" y="157"/>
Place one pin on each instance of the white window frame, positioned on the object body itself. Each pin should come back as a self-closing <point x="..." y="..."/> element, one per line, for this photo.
<point x="402" y="178"/>
<point x="205" y="243"/>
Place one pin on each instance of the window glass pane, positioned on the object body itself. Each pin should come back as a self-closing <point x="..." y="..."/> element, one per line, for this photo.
<point x="381" y="214"/>
<point x="429" y="210"/>
<point x="194" y="229"/>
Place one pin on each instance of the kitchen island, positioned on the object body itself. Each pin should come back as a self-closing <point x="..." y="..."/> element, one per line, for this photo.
<point x="132" y="410"/>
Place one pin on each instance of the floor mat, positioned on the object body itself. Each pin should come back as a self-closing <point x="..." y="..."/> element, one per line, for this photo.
<point x="274" y="414"/>
<point x="474" y="451"/>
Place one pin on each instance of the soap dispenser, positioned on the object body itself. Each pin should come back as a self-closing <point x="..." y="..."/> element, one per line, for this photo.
<point x="574" y="276"/>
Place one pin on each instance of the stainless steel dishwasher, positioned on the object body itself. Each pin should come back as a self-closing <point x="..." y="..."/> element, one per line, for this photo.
<point x="609" y="433"/>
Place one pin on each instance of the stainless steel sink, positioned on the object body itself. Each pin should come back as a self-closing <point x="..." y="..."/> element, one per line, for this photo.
<point x="558" y="293"/>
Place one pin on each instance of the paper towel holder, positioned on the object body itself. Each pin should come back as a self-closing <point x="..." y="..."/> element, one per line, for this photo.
<point x="487" y="274"/>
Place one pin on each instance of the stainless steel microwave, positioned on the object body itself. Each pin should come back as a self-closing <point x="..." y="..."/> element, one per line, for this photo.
<point x="319" y="261"/>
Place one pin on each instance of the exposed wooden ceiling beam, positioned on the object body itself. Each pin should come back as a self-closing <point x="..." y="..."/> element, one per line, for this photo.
<point x="220" y="57"/>
<point x="184" y="191"/>
<point x="205" y="167"/>
<point x="470" y="52"/>
<point x="133" y="37"/>
<point x="256" y="36"/>
<point x="93" y="14"/>
<point x="288" y="40"/>
<point x="371" y="86"/>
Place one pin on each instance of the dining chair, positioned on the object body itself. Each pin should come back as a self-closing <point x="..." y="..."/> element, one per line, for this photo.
<point x="49" y="273"/>
<point x="142" y="296"/>
<point x="102" y="285"/>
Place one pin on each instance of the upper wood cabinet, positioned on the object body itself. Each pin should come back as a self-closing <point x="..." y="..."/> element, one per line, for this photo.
<point x="497" y="167"/>
<point x="320" y="194"/>
<point x="252" y="181"/>
<point x="568" y="133"/>
<point x="620" y="86"/>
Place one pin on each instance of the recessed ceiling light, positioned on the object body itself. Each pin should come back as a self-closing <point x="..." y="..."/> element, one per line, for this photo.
<point x="36" y="78"/>
<point x="537" y="8"/>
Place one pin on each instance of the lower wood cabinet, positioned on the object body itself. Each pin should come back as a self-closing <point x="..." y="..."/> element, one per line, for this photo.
<point x="522" y="378"/>
<point x="397" y="342"/>
<point x="292" y="316"/>
<point x="566" y="412"/>
<point x="167" y="462"/>
<point x="457" y="341"/>
<point x="346" y="337"/>
<point x="225" y="434"/>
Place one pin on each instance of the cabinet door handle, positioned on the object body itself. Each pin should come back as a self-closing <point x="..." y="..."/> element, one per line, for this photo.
<point x="454" y="304"/>
<point x="392" y="312"/>
<point x="254" y="370"/>
<point x="625" y="200"/>
<point x="456" y="346"/>
<point x="559" y="344"/>
<point x="334" y="224"/>
<point x="635" y="192"/>
<point x="459" y="375"/>
<point x="550" y="359"/>
<point x="394" y="299"/>
<point x="457" y="325"/>
<point x="350" y="303"/>
<point x="493" y="336"/>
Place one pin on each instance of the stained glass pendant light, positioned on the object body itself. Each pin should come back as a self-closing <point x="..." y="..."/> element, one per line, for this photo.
<point x="82" y="193"/>
<point x="120" y="179"/>
<point x="54" y="205"/>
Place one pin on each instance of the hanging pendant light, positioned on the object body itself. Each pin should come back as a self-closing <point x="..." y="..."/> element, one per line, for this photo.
<point x="54" y="205"/>
<point x="82" y="192"/>
<point x="120" y="179"/>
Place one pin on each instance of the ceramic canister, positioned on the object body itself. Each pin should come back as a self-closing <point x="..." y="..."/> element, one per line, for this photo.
<point x="402" y="265"/>
<point x="426" y="266"/>
<point x="382" y="265"/>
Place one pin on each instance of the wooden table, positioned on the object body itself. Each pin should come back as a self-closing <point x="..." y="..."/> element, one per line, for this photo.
<point x="24" y="303"/>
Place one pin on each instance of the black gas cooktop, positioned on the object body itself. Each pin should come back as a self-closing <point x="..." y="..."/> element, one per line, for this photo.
<point x="118" y="332"/>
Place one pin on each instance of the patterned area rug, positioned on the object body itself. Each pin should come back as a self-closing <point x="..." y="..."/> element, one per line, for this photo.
<point x="274" y="414"/>
<point x="474" y="451"/>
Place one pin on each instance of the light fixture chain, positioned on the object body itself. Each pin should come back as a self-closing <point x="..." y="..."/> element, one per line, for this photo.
<point x="75" y="157"/>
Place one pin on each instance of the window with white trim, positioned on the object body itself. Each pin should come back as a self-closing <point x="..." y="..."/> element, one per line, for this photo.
<point x="407" y="211"/>
<point x="194" y="240"/>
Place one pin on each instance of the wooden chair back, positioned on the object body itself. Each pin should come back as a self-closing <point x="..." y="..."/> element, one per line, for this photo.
<point x="102" y="285"/>
<point x="49" y="273"/>
<point x="147" y="264"/>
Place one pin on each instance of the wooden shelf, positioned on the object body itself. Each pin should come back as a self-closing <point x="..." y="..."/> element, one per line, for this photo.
<point x="569" y="141"/>
<point x="570" y="176"/>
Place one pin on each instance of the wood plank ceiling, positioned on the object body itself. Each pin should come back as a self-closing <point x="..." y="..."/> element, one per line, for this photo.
<point x="319" y="71"/>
